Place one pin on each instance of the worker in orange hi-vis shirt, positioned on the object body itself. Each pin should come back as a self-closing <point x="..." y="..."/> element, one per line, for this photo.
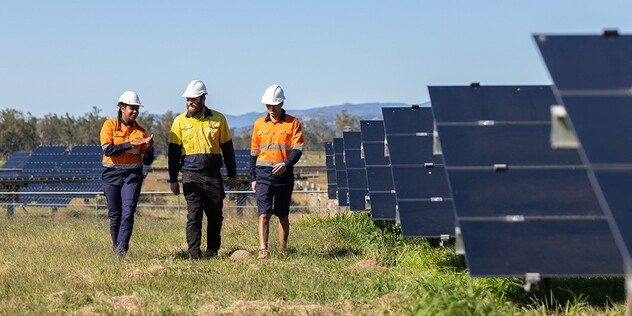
<point x="277" y="145"/>
<point x="126" y="147"/>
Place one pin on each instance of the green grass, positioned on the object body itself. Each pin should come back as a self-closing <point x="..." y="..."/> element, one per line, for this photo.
<point x="337" y="264"/>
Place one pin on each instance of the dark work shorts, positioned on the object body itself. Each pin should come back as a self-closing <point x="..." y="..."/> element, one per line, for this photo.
<point x="274" y="199"/>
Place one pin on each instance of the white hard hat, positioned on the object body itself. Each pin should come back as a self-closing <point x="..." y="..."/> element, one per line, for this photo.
<point x="273" y="95"/>
<point x="194" y="89"/>
<point x="129" y="98"/>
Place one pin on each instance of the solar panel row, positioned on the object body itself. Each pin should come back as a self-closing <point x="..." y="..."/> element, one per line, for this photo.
<point x="515" y="197"/>
<point x="424" y="204"/>
<point x="378" y="171"/>
<point x="521" y="206"/>
<point x="593" y="76"/>
<point x="55" y="169"/>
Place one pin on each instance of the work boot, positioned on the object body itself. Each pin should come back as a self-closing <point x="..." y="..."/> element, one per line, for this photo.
<point x="120" y="253"/>
<point x="210" y="254"/>
<point x="263" y="254"/>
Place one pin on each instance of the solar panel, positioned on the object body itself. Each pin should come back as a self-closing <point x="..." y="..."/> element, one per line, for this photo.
<point x="356" y="171"/>
<point x="521" y="207"/>
<point x="242" y="162"/>
<point x="12" y="167"/>
<point x="17" y="160"/>
<point x="341" y="173"/>
<point x="421" y="189"/>
<point x="82" y="161"/>
<point x="378" y="170"/>
<point x="504" y="249"/>
<point x="86" y="150"/>
<point x="50" y="150"/>
<point x="54" y="169"/>
<point x="593" y="76"/>
<point x="331" y="170"/>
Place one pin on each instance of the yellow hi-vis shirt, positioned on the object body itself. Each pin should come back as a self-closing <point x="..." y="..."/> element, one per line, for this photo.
<point x="195" y="142"/>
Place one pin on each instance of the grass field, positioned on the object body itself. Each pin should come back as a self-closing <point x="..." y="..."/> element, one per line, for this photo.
<point x="338" y="264"/>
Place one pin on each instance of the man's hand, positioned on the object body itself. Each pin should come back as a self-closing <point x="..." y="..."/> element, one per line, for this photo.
<point x="232" y="183"/>
<point x="175" y="188"/>
<point x="253" y="185"/>
<point x="279" y="168"/>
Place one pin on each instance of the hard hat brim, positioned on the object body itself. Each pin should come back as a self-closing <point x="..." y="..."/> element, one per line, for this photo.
<point x="271" y="102"/>
<point x="192" y="95"/>
<point x="142" y="106"/>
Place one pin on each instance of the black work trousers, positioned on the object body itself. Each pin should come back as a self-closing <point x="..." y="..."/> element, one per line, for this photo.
<point x="204" y="194"/>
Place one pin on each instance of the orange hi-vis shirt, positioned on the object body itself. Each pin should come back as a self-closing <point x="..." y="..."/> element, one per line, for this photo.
<point x="272" y="142"/>
<point x="114" y="132"/>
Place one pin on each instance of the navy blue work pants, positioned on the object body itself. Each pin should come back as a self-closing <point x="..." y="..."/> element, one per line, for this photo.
<point x="122" y="199"/>
<point x="204" y="194"/>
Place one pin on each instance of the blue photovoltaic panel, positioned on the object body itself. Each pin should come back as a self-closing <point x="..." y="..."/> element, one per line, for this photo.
<point x="521" y="206"/>
<point x="436" y="218"/>
<point x="17" y="160"/>
<point x="421" y="188"/>
<point x="593" y="76"/>
<point x="411" y="149"/>
<point x="489" y="145"/>
<point x="356" y="171"/>
<point x="588" y="63"/>
<point x="378" y="170"/>
<point x="528" y="192"/>
<point x="12" y="167"/>
<point x="614" y="185"/>
<point x="83" y="161"/>
<point x="86" y="150"/>
<point x="418" y="182"/>
<point x="500" y="248"/>
<point x="380" y="179"/>
<point x="490" y="104"/>
<point x="50" y="150"/>
<point x="372" y="131"/>
<point x="242" y="162"/>
<point x="341" y="172"/>
<point x="407" y="121"/>
<point x="331" y="170"/>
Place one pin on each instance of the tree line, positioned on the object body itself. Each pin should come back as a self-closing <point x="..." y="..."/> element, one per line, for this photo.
<point x="21" y="131"/>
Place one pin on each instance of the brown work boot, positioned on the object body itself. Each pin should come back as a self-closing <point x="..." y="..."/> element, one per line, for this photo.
<point x="263" y="254"/>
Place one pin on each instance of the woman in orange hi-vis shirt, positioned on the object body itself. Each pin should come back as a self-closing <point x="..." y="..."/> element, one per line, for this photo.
<point x="126" y="147"/>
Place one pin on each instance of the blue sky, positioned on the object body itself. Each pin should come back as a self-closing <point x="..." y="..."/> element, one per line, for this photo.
<point x="68" y="56"/>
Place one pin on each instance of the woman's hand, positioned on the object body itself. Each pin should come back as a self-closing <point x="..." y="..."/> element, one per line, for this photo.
<point x="139" y="141"/>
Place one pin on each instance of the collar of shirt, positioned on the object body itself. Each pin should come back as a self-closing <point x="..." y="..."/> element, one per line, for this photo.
<point x="281" y="117"/>
<point x="120" y="118"/>
<point x="207" y="112"/>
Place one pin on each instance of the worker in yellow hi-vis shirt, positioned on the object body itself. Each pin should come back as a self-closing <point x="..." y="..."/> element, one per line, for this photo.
<point x="199" y="141"/>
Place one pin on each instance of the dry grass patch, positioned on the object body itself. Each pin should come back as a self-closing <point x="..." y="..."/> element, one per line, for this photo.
<point x="82" y="276"/>
<point x="240" y="255"/>
<point x="125" y="304"/>
<point x="365" y="264"/>
<point x="270" y="308"/>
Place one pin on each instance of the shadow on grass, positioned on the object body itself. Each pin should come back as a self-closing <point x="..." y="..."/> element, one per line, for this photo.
<point x="340" y="252"/>
<point x="555" y="294"/>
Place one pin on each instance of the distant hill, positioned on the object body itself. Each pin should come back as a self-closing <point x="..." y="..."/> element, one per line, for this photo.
<point x="366" y="111"/>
